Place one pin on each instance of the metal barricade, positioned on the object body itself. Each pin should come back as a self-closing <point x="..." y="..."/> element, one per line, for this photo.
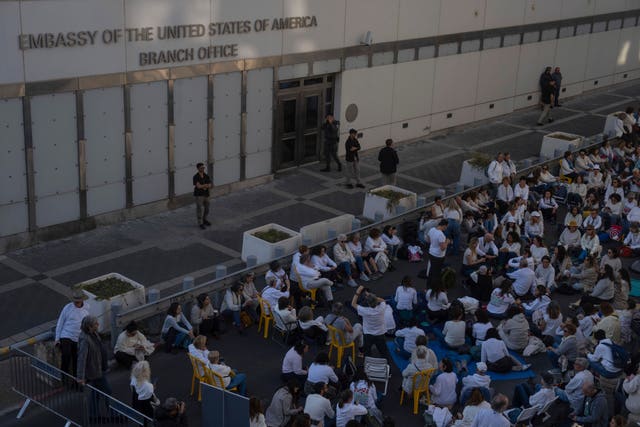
<point x="60" y="394"/>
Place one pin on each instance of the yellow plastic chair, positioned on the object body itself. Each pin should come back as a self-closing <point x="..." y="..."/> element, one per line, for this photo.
<point x="304" y="291"/>
<point x="217" y="380"/>
<point x="339" y="342"/>
<point x="420" y="385"/>
<point x="198" y="366"/>
<point x="265" y="318"/>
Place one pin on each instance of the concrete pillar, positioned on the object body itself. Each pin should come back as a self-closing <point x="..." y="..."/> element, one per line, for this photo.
<point x="421" y="201"/>
<point x="252" y="260"/>
<point x="378" y="216"/>
<point x="278" y="252"/>
<point x="331" y="233"/>
<point x="355" y="224"/>
<point x="400" y="209"/>
<point x="187" y="283"/>
<point x="153" y="295"/>
<point x="221" y="271"/>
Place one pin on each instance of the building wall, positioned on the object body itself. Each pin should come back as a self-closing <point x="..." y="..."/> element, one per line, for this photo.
<point x="90" y="131"/>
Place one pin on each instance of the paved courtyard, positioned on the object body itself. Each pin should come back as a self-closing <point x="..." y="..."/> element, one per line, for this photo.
<point x="158" y="251"/>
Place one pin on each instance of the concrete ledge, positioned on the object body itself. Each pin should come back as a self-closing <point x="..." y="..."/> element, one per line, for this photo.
<point x="45" y="234"/>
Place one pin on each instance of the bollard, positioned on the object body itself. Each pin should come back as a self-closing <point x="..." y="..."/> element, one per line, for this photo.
<point x="252" y="260"/>
<point x="460" y="187"/>
<point x="378" y="216"/>
<point x="558" y="153"/>
<point x="355" y="224"/>
<point x="116" y="308"/>
<point x="400" y="209"/>
<point x="331" y="233"/>
<point x="526" y="163"/>
<point x="278" y="252"/>
<point x="153" y="295"/>
<point x="221" y="271"/>
<point x="187" y="283"/>
<point x="421" y="201"/>
<point x="477" y="182"/>
<point x="307" y="241"/>
<point x="442" y="192"/>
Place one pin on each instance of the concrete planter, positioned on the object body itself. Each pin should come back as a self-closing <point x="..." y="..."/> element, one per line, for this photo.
<point x="376" y="204"/>
<point x="265" y="251"/>
<point x="471" y="176"/>
<point x="328" y="229"/>
<point x="610" y="124"/>
<point x="101" y="308"/>
<point x="553" y="147"/>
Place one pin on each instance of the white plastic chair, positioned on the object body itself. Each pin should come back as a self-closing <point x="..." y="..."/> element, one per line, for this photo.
<point x="377" y="369"/>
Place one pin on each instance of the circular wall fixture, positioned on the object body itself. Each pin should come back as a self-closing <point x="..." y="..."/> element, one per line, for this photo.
<point x="352" y="113"/>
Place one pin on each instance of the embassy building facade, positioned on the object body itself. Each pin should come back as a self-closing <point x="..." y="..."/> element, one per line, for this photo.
<point x="107" y="105"/>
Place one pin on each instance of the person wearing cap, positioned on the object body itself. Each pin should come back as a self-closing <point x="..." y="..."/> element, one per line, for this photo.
<point x="570" y="236"/>
<point x="68" y="330"/>
<point x="171" y="413"/>
<point x="535" y="226"/>
<point x="590" y="242"/>
<point x="132" y="346"/>
<point x="595" y="179"/>
<point x="479" y="380"/>
<point x="438" y="243"/>
<point x="572" y="392"/>
<point x="352" y="147"/>
<point x="346" y="261"/>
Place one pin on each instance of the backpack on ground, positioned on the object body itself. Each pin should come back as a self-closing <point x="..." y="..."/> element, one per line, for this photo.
<point x="620" y="356"/>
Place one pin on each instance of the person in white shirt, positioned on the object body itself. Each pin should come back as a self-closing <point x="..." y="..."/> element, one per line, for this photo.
<point x="522" y="189"/>
<point x="481" y="326"/>
<point x="285" y="316"/>
<point x="132" y="346"/>
<point x="577" y="192"/>
<point x="473" y="404"/>
<point x="295" y="260"/>
<point x="493" y="417"/>
<point x="406" y="339"/>
<point x="593" y="220"/>
<point x="420" y="363"/>
<point x="292" y="367"/>
<point x="230" y="377"/>
<point x="256" y="413"/>
<point x="478" y="380"/>
<point x="311" y="278"/>
<point x="325" y="265"/>
<point x="495" y="354"/>
<point x="570" y="236"/>
<point x="524" y="279"/>
<point x="546" y="274"/>
<point x="391" y="239"/>
<point x="583" y="164"/>
<point x="406" y="299"/>
<point x="364" y="392"/>
<point x="277" y="273"/>
<point x="198" y="349"/>
<point x="143" y="397"/>
<point x="538" y="250"/>
<point x="346" y="410"/>
<point x="495" y="171"/>
<point x="508" y="167"/>
<point x="541" y="301"/>
<point x="633" y="239"/>
<point x="514" y="330"/>
<point x="366" y="261"/>
<point x="443" y="390"/>
<point x="572" y="392"/>
<point x="590" y="243"/>
<point x="548" y="206"/>
<point x="271" y="293"/>
<point x="601" y="360"/>
<point x="487" y="247"/>
<point x="454" y="330"/>
<point x="526" y="396"/>
<point x="347" y="261"/>
<point x="534" y="227"/>
<point x="505" y="195"/>
<point x="373" y="321"/>
<point x="500" y="300"/>
<point x="317" y="406"/>
<point x="437" y="303"/>
<point x="566" y="166"/>
<point x="320" y="372"/>
<point x="614" y="188"/>
<point x="438" y="243"/>
<point x="337" y="319"/>
<point x="68" y="330"/>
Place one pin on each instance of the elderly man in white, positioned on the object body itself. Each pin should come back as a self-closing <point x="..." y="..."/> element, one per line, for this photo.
<point x="524" y="279"/>
<point x="572" y="392"/>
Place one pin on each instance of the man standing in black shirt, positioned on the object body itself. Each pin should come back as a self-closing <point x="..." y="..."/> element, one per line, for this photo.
<point x="201" y="186"/>
<point x="352" y="147"/>
<point x="557" y="77"/>
<point x="331" y="138"/>
<point x="388" y="158"/>
<point x="548" y="89"/>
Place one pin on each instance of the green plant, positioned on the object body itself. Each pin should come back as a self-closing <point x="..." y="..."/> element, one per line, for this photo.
<point x="479" y="161"/>
<point x="272" y="235"/>
<point x="108" y="288"/>
<point x="393" y="197"/>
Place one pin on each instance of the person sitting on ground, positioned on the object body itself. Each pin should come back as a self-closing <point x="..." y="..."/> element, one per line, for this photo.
<point x="347" y="410"/>
<point x="314" y="329"/>
<point x="204" y="318"/>
<point x="256" y="413"/>
<point x="500" y="300"/>
<point x="321" y="372"/>
<point x="540" y="302"/>
<point x="526" y="396"/>
<point x="172" y="413"/>
<point x="351" y="332"/>
<point x="364" y="392"/>
<point x="631" y="387"/>
<point x="378" y="248"/>
<point x="285" y="316"/>
<point x="284" y="404"/>
<point x="547" y="325"/>
<point x="612" y="258"/>
<point x="481" y="326"/>
<point x="571" y="237"/>
<point x="311" y="278"/>
<point x="143" y="398"/>
<point x="406" y="299"/>
<point x="548" y="206"/>
<point x="230" y="377"/>
<point x="609" y="323"/>
<point x="493" y="417"/>
<point x="432" y="359"/>
<point x="318" y="406"/>
<point x="510" y="249"/>
<point x="632" y="241"/>
<point x="443" y="390"/>
<point x="594" y="410"/>
<point x="572" y="392"/>
<point x="480" y="380"/>
<point x="420" y="364"/>
<point x="534" y="226"/>
<point x="481" y="283"/>
<point x="391" y="239"/>
<point x="524" y="279"/>
<point x="473" y="258"/>
<point x="367" y="258"/>
<point x="176" y="332"/>
<point x="603" y="291"/>
<point x="406" y="338"/>
<point x="455" y="329"/>
<point x="347" y="262"/>
<point x="514" y="330"/>
<point x="538" y="251"/>
<point x="495" y="354"/>
<point x="568" y="348"/>
<point x="585" y="277"/>
<point x="277" y="273"/>
<point x="601" y="360"/>
<point x="233" y="304"/>
<point x="590" y="242"/>
<point x="546" y="274"/>
<point x="132" y="346"/>
<point x="325" y="265"/>
<point x="474" y="404"/>
<point x="437" y="302"/>
<point x="292" y="367"/>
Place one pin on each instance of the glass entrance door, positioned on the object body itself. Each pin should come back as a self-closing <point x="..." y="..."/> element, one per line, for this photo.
<point x="300" y="110"/>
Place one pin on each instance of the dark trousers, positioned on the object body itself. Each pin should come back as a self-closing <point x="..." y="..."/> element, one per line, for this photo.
<point x="331" y="152"/>
<point x="379" y="342"/>
<point x="102" y="385"/>
<point x="556" y="95"/>
<point x="125" y="359"/>
<point x="435" y="270"/>
<point x="69" y="350"/>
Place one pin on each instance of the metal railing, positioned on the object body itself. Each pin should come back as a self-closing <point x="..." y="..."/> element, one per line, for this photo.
<point x="60" y="394"/>
<point x="222" y="283"/>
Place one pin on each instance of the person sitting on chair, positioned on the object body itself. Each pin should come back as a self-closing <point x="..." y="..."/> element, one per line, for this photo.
<point x="230" y="377"/>
<point x="312" y="328"/>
